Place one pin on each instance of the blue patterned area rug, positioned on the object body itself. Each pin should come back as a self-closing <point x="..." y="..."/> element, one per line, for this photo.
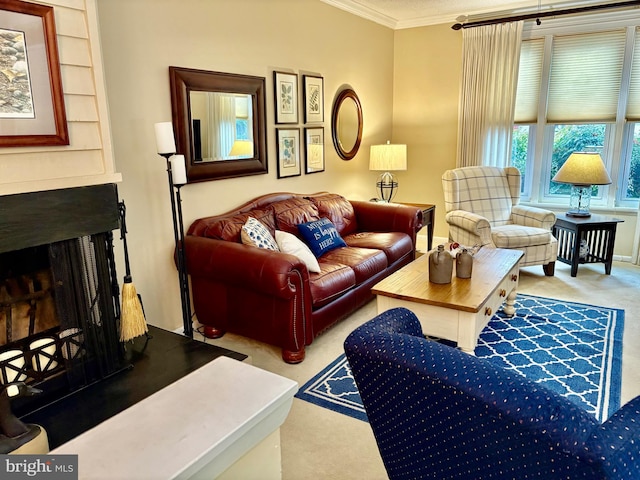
<point x="572" y="348"/>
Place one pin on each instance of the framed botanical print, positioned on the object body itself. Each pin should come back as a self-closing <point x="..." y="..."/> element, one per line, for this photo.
<point x="314" y="149"/>
<point x="313" y="99"/>
<point x="285" y="86"/>
<point x="288" y="146"/>
<point x="32" y="110"/>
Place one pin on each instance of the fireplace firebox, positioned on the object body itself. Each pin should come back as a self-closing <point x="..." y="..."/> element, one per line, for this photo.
<point x="59" y="293"/>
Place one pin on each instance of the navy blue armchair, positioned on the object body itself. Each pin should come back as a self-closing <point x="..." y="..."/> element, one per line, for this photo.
<point x="438" y="413"/>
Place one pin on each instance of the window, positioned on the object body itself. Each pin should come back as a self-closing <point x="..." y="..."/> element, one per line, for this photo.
<point x="579" y="90"/>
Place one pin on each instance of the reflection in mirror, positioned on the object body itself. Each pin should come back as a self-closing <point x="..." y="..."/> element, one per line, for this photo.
<point x="219" y="123"/>
<point x="346" y="122"/>
<point x="222" y="126"/>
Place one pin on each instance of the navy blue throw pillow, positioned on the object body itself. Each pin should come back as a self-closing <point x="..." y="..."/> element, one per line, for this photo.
<point x="321" y="236"/>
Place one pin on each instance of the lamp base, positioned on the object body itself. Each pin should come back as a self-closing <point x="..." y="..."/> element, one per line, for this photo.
<point x="579" y="214"/>
<point x="387" y="186"/>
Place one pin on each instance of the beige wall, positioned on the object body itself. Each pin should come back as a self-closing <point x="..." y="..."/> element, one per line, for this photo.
<point x="427" y="69"/>
<point x="142" y="38"/>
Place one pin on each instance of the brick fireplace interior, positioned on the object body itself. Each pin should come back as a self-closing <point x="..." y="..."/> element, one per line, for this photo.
<point x="59" y="292"/>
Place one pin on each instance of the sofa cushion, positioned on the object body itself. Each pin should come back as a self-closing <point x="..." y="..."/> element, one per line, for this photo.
<point x="337" y="209"/>
<point x="254" y="233"/>
<point x="365" y="262"/>
<point x="395" y="245"/>
<point x="321" y="236"/>
<point x="230" y="228"/>
<point x="332" y="281"/>
<point x="289" y="213"/>
<point x="289" y="243"/>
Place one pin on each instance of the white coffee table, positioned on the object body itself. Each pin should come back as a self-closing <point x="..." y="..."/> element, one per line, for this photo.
<point x="459" y="310"/>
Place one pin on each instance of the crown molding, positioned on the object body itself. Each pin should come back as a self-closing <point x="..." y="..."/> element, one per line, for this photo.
<point x="362" y="11"/>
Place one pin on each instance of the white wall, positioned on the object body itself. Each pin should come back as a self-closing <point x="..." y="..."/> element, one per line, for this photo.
<point x="142" y="38"/>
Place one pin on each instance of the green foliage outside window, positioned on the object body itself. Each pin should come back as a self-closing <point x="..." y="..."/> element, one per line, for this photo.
<point x="575" y="138"/>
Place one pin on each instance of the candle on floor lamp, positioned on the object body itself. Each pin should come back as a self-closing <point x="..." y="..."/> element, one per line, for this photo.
<point x="178" y="170"/>
<point x="165" y="142"/>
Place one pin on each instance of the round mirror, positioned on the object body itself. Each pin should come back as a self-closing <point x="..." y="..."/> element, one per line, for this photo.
<point x="346" y="124"/>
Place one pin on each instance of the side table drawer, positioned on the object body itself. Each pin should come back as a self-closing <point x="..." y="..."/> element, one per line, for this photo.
<point x="497" y="299"/>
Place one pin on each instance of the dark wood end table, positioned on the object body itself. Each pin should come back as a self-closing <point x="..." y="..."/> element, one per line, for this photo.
<point x="598" y="232"/>
<point x="428" y="218"/>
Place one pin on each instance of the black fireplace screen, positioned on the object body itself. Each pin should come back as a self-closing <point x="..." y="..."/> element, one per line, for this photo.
<point x="60" y="309"/>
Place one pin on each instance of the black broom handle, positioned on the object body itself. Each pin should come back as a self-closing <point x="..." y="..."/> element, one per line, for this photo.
<point x="122" y="209"/>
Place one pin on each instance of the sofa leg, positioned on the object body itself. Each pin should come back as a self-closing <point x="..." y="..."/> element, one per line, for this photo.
<point x="293" y="357"/>
<point x="212" y="332"/>
<point x="549" y="269"/>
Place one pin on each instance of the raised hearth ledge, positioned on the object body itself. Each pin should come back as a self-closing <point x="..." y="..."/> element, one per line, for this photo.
<point x="200" y="425"/>
<point x="14" y="188"/>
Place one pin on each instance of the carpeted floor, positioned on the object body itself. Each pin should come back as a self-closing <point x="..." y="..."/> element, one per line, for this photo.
<point x="572" y="348"/>
<point x="320" y="444"/>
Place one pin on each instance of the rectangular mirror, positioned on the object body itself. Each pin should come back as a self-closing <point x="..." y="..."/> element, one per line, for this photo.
<point x="219" y="122"/>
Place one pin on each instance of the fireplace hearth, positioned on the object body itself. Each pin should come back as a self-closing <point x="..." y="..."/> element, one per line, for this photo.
<point x="59" y="294"/>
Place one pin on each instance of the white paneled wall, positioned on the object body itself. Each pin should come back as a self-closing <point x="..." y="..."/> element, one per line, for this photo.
<point x="88" y="159"/>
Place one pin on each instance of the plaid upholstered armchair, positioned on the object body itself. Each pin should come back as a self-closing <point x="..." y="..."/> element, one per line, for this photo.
<point x="439" y="413"/>
<point x="482" y="209"/>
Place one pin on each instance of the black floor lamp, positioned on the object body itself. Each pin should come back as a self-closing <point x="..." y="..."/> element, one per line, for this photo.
<point x="176" y="174"/>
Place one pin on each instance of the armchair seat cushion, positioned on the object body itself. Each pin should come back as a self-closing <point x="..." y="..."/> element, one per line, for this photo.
<point x="516" y="236"/>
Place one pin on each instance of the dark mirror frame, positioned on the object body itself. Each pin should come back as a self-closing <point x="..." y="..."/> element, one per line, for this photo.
<point x="337" y="104"/>
<point x="185" y="80"/>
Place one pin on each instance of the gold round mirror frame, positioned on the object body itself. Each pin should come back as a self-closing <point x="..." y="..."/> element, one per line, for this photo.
<point x="341" y="106"/>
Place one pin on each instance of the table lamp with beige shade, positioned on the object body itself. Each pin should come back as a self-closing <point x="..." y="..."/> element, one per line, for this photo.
<point x="582" y="170"/>
<point x="387" y="158"/>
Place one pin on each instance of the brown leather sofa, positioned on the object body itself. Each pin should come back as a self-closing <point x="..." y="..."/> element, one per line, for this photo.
<point x="271" y="296"/>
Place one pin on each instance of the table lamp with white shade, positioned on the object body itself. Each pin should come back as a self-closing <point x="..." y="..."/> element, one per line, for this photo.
<point x="582" y="170"/>
<point x="388" y="158"/>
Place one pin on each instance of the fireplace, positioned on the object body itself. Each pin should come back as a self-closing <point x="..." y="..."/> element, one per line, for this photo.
<point x="59" y="293"/>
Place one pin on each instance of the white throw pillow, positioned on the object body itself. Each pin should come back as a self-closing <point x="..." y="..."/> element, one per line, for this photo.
<point x="256" y="234"/>
<point x="289" y="243"/>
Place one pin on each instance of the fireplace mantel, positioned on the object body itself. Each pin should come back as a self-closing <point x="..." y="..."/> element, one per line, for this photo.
<point x="39" y="218"/>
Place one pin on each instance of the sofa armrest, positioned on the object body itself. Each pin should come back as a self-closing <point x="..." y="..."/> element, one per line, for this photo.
<point x="615" y="446"/>
<point x="473" y="223"/>
<point x="244" y="266"/>
<point x="387" y="217"/>
<point x="533" y="217"/>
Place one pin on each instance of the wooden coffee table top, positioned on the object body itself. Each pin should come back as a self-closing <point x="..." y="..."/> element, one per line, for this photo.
<point x="411" y="282"/>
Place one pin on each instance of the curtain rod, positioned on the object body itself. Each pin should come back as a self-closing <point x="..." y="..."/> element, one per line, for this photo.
<point x="538" y="15"/>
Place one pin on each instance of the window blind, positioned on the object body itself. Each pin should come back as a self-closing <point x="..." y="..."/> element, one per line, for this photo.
<point x="633" y="105"/>
<point x="585" y="77"/>
<point x="529" y="77"/>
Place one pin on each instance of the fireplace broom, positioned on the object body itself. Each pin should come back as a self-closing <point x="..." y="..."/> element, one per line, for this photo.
<point x="132" y="321"/>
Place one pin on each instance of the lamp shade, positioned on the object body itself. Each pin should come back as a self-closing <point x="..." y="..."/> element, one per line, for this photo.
<point x="242" y="148"/>
<point x="583" y="168"/>
<point x="388" y="157"/>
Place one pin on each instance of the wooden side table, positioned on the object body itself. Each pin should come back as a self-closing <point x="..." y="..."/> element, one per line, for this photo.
<point x="597" y="233"/>
<point x="428" y="218"/>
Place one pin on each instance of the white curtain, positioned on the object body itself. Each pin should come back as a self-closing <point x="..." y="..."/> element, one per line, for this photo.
<point x="222" y="124"/>
<point x="491" y="56"/>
